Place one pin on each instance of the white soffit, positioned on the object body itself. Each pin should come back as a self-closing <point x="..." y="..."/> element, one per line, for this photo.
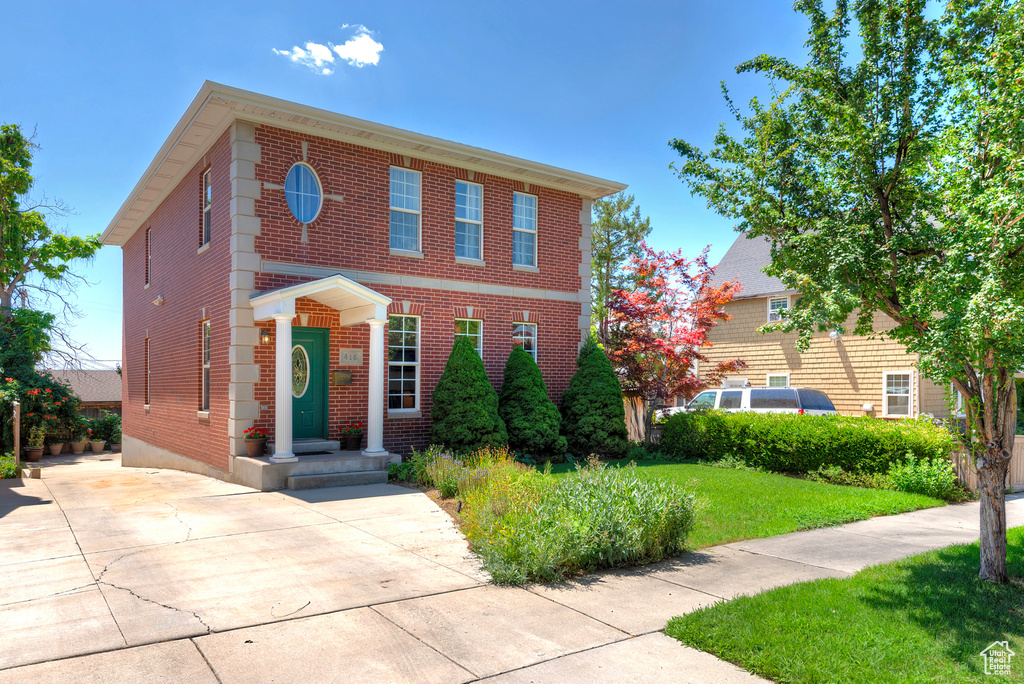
<point x="337" y="292"/>
<point x="216" y="106"/>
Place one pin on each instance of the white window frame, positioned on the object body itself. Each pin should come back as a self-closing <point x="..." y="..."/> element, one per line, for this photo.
<point x="478" y="339"/>
<point x="204" y="359"/>
<point x="911" y="396"/>
<point x="322" y="198"/>
<point x="534" y="232"/>
<point x="772" y="316"/>
<point x="515" y="337"/>
<point x="768" y="379"/>
<point x="149" y="370"/>
<point x="479" y="224"/>
<point x="149" y="255"/>
<point x="419" y="345"/>
<point x="418" y="213"/>
<point x="207" y="203"/>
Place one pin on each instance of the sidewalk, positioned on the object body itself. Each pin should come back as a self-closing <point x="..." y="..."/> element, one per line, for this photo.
<point x="241" y="586"/>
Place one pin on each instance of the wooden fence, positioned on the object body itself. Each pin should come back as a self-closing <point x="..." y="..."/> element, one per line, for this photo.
<point x="966" y="471"/>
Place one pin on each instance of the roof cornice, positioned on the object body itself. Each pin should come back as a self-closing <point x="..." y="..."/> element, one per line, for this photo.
<point x="215" y="107"/>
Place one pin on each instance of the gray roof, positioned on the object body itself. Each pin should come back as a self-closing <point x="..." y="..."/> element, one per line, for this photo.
<point x="92" y="386"/>
<point x="743" y="262"/>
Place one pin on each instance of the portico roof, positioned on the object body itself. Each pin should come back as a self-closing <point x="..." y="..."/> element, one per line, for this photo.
<point x="355" y="303"/>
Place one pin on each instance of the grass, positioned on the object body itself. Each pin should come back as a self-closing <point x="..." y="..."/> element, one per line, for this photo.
<point x="921" y="619"/>
<point x="742" y="504"/>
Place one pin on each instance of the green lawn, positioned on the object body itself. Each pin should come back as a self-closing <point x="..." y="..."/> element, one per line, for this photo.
<point x="921" y="619"/>
<point x="742" y="504"/>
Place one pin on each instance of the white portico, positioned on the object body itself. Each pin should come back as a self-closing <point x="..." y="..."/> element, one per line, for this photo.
<point x="356" y="304"/>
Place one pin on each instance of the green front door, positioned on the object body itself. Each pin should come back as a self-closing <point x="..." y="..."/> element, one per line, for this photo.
<point x="309" y="383"/>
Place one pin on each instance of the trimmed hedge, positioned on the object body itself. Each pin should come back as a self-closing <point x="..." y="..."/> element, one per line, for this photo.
<point x="593" y="416"/>
<point x="531" y="419"/>
<point x="465" y="405"/>
<point x="801" y="444"/>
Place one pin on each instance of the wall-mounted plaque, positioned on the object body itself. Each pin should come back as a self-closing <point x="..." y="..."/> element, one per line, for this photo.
<point x="350" y="357"/>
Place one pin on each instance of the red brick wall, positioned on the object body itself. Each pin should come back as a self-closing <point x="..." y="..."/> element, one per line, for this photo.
<point x="188" y="282"/>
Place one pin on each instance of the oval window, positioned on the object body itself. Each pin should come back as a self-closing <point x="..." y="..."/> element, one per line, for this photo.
<point x="302" y="190"/>
<point x="300" y="371"/>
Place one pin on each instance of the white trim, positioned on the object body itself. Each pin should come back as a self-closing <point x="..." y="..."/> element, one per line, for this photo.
<point x="470" y="262"/>
<point x="266" y="304"/>
<point x="768" y="377"/>
<point x="319" y="187"/>
<point x="536" y="338"/>
<point x="473" y="338"/>
<point x="404" y="364"/>
<point x="525" y="269"/>
<point x="911" y="397"/>
<point x="535" y="232"/>
<point x="202" y="250"/>
<point x="418" y="213"/>
<point x="207" y="208"/>
<point x="149" y="255"/>
<point x="205" y="357"/>
<point x="479" y="224"/>
<point x="769" y="304"/>
<point x="408" y="254"/>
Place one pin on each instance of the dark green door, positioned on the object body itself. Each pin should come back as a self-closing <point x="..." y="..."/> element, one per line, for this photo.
<point x="309" y="383"/>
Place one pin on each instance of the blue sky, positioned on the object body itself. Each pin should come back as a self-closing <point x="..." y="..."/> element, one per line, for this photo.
<point x="598" y="88"/>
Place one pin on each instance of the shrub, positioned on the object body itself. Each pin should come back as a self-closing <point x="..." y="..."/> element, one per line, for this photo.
<point x="465" y="405"/>
<point x="404" y="471"/>
<point x="593" y="416"/>
<point x="804" y="444"/>
<point x="8" y="471"/>
<point x="931" y="477"/>
<point x="105" y="427"/>
<point x="833" y="474"/>
<point x="531" y="420"/>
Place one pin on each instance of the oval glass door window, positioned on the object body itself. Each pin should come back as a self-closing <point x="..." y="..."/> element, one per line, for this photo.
<point x="300" y="371"/>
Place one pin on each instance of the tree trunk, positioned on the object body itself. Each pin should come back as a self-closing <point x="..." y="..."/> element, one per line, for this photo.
<point x="992" y="469"/>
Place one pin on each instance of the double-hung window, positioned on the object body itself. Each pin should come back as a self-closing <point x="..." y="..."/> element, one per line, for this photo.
<point x="525" y="335"/>
<point x="405" y="209"/>
<point x="898" y="389"/>
<point x="776" y="307"/>
<point x="524" y="230"/>
<point x="146" y="369"/>
<point x="207" y="207"/>
<point x="403" y="362"/>
<point x="473" y="330"/>
<point x="149" y="254"/>
<point x="468" y="220"/>
<point x="205" y="332"/>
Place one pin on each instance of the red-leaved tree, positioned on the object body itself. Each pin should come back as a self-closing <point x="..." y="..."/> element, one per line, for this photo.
<point x="659" y="327"/>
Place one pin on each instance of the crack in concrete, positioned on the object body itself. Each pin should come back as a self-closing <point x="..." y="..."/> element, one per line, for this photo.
<point x="291" y="613"/>
<point x="177" y="516"/>
<point x="72" y="590"/>
<point x="194" y="614"/>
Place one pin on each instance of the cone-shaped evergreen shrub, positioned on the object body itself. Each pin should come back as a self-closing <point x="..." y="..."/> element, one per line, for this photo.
<point x="593" y="417"/>
<point x="531" y="419"/>
<point x="465" y="410"/>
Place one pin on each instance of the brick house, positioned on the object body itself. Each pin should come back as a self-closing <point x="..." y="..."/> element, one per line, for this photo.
<point x="862" y="376"/>
<point x="291" y="268"/>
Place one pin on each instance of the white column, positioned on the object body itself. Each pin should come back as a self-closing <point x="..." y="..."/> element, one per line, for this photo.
<point x="283" y="391"/>
<point x="375" y="400"/>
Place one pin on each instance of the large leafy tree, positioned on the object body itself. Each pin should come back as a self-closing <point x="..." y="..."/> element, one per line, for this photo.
<point x="616" y="230"/>
<point x="659" y="327"/>
<point x="34" y="258"/>
<point x="888" y="175"/>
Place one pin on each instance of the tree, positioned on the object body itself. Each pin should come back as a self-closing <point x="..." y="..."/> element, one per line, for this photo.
<point x="465" y="405"/>
<point x="34" y="258"/>
<point x="892" y="180"/>
<point x="593" y="417"/>
<point x="615" y="232"/>
<point x="659" y="327"/>
<point x="531" y="419"/>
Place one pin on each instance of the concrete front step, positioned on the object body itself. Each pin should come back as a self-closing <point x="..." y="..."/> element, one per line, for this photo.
<point x="322" y="480"/>
<point x="306" y="446"/>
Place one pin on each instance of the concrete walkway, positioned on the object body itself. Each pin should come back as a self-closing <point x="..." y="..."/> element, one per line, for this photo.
<point x="111" y="575"/>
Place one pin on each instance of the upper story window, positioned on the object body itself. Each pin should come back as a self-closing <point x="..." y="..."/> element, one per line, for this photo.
<point x="898" y="389"/>
<point x="207" y="206"/>
<point x="149" y="253"/>
<point x="468" y="219"/>
<point x="524" y="230"/>
<point x="777" y="305"/>
<point x="525" y="335"/>
<point x="405" y="209"/>
<point x="473" y="330"/>
<point x="302" y="191"/>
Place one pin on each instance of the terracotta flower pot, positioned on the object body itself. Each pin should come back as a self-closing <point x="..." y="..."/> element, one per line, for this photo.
<point x="255" y="447"/>
<point x="66" y="448"/>
<point x="78" y="447"/>
<point x="33" y="454"/>
<point x="353" y="442"/>
<point x="115" y="448"/>
<point x="55" y="449"/>
<point x="97" y="446"/>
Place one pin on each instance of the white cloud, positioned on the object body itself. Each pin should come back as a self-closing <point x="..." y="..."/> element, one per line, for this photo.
<point x="359" y="51"/>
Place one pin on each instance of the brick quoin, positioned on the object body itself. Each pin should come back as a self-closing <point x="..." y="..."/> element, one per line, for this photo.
<point x="351" y="233"/>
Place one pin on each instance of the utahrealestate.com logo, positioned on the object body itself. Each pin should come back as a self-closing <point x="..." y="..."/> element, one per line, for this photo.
<point x="997" y="658"/>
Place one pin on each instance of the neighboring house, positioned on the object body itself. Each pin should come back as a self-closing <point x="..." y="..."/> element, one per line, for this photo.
<point x="290" y="268"/>
<point x="862" y="376"/>
<point x="98" y="390"/>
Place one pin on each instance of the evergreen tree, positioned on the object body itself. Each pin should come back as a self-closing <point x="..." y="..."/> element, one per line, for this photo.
<point x="465" y="405"/>
<point x="530" y="417"/>
<point x="616" y="230"/>
<point x="593" y="416"/>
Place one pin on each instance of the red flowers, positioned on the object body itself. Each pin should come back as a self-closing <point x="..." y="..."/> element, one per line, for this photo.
<point x="351" y="427"/>
<point x="254" y="433"/>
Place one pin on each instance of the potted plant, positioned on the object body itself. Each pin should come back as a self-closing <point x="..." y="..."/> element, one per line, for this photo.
<point x="78" y="437"/>
<point x="255" y="441"/>
<point x="36" y="440"/>
<point x="115" y="443"/>
<point x="352" y="435"/>
<point x="95" y="443"/>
